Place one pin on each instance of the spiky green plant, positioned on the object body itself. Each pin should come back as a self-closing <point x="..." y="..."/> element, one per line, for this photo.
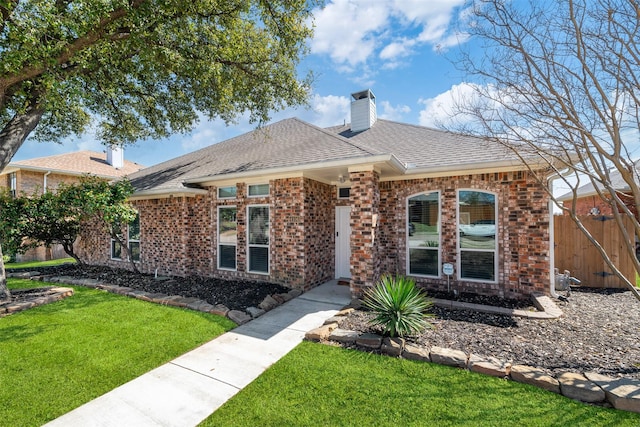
<point x="399" y="306"/>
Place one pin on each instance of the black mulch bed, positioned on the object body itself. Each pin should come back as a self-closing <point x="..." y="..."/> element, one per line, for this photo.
<point x="235" y="295"/>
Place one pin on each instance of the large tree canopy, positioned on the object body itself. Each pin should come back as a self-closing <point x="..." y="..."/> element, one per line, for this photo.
<point x="561" y="81"/>
<point x="144" y="68"/>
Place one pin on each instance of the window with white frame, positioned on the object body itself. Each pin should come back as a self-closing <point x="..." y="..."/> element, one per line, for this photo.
<point x="478" y="246"/>
<point x="227" y="192"/>
<point x="258" y="238"/>
<point x="258" y="190"/>
<point x="344" y="192"/>
<point x="227" y="237"/>
<point x="134" y="238"/>
<point x="423" y="234"/>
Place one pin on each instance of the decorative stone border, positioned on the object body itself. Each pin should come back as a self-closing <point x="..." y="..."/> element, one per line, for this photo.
<point x="547" y="309"/>
<point x="590" y="387"/>
<point x="237" y="316"/>
<point x="53" y="294"/>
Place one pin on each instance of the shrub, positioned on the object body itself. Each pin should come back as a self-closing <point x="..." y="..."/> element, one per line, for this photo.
<point x="399" y="306"/>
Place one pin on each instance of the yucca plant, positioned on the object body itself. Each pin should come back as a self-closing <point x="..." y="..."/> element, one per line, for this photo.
<point x="399" y="306"/>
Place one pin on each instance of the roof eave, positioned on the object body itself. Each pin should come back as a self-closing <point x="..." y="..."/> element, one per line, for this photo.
<point x="383" y="159"/>
<point x="16" y="167"/>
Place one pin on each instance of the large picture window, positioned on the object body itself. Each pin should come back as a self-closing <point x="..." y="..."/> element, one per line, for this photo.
<point x="227" y="237"/>
<point x="258" y="231"/>
<point x="423" y="234"/>
<point x="477" y="213"/>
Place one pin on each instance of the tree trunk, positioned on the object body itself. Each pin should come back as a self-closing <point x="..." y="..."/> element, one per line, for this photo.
<point x="68" y="249"/>
<point x="5" y="294"/>
<point x="16" y="131"/>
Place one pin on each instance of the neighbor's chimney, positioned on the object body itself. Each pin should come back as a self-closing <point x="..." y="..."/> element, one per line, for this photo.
<point x="363" y="110"/>
<point x="115" y="156"/>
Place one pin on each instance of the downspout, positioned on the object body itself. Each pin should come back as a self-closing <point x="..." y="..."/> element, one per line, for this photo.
<point x="44" y="182"/>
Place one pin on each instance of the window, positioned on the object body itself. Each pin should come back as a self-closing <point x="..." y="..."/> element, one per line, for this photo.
<point x="258" y="219"/>
<point x="477" y="213"/>
<point x="13" y="184"/>
<point x="116" y="248"/>
<point x="227" y="237"/>
<point x="258" y="190"/>
<point x="423" y="234"/>
<point x="227" y="192"/>
<point x="134" y="238"/>
<point x="344" y="192"/>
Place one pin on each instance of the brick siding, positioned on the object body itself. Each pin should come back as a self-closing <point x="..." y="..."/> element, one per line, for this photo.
<point x="178" y="234"/>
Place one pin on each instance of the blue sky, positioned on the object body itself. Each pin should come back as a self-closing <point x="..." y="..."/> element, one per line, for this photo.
<point x="399" y="49"/>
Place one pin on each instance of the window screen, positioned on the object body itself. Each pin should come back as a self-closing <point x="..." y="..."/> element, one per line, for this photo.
<point x="258" y="218"/>
<point x="227" y="237"/>
<point x="423" y="234"/>
<point x="477" y="212"/>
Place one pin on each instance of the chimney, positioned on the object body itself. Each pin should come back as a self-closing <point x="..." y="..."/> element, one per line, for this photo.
<point x="363" y="110"/>
<point x="115" y="156"/>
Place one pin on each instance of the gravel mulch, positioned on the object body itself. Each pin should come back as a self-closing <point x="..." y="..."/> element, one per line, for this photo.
<point x="599" y="332"/>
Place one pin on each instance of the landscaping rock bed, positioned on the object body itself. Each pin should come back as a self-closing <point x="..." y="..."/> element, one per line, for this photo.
<point x="590" y="354"/>
<point x="599" y="332"/>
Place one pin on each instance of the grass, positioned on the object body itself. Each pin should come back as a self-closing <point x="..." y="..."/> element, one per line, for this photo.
<point x="317" y="384"/>
<point x="56" y="357"/>
<point x="36" y="264"/>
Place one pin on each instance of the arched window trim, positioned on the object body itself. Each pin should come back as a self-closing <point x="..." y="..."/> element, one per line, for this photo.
<point x="407" y="238"/>
<point x="459" y="234"/>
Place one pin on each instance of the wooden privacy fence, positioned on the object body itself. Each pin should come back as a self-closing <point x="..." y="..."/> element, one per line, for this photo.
<point x="574" y="252"/>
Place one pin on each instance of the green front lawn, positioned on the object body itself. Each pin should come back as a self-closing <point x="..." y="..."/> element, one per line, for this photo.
<point x="318" y="385"/>
<point x="36" y="264"/>
<point x="58" y="356"/>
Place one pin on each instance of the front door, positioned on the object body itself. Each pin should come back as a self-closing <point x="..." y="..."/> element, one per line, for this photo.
<point x="343" y="242"/>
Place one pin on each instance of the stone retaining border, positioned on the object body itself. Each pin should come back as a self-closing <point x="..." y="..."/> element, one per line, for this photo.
<point x="588" y="387"/>
<point x="54" y="294"/>
<point x="237" y="316"/>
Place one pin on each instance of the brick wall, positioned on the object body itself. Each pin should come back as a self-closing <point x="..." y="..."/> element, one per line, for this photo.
<point x="319" y="232"/>
<point x="585" y="205"/>
<point x="522" y="226"/>
<point x="178" y="235"/>
<point x="365" y="247"/>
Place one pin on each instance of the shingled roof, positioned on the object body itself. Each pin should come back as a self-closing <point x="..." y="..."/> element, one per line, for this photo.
<point x="76" y="163"/>
<point x="294" y="146"/>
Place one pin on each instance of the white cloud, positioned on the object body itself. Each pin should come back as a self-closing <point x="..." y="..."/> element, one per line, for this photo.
<point x="389" y="112"/>
<point x="345" y="29"/>
<point x="441" y="110"/>
<point x="353" y="32"/>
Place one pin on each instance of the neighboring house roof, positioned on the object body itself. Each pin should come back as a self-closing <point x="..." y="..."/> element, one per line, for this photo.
<point x="589" y="189"/>
<point x="76" y="163"/>
<point x="293" y="147"/>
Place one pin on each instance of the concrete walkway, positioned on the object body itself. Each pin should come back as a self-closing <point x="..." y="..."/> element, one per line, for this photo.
<point x="188" y="389"/>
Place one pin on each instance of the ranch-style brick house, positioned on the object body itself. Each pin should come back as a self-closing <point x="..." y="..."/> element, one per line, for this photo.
<point x="298" y="205"/>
